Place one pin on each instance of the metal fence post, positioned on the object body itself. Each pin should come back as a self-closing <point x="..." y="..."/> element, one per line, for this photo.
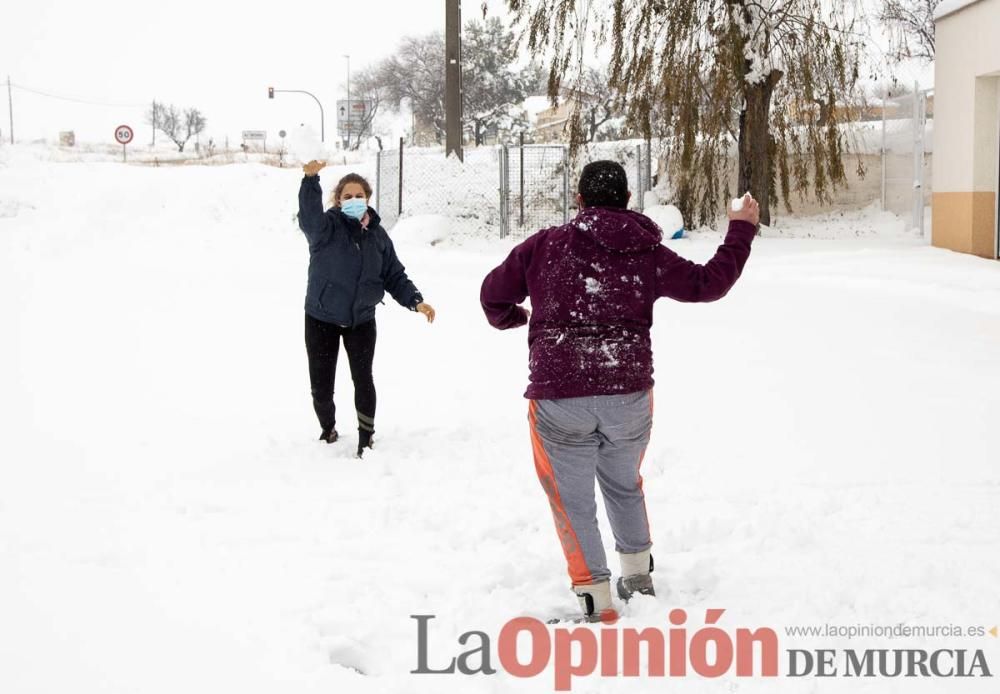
<point x="378" y="181"/>
<point x="565" y="151"/>
<point x="501" y="192"/>
<point x="506" y="188"/>
<point x="648" y="181"/>
<point x="918" y="158"/>
<point x="521" y="166"/>
<point x="885" y="99"/>
<point x="400" y="210"/>
<point x="638" y="174"/>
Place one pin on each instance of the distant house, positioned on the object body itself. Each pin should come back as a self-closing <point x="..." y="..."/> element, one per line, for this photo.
<point x="552" y="123"/>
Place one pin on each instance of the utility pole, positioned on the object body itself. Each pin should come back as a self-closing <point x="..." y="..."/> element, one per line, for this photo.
<point x="349" y="105"/>
<point x="453" y="79"/>
<point x="10" y="106"/>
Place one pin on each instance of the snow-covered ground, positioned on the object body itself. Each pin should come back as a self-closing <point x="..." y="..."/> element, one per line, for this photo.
<point x="824" y="450"/>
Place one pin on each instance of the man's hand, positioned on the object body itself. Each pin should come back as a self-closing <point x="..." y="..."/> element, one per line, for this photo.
<point x="313" y="167"/>
<point x="749" y="213"/>
<point x="427" y="310"/>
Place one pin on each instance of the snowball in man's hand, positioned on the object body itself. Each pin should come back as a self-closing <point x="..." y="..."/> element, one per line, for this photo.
<point x="738" y="203"/>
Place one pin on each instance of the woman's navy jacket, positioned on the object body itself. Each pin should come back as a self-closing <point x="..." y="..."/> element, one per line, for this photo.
<point x="350" y="268"/>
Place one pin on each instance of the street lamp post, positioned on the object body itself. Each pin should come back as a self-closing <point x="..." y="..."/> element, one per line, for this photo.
<point x="271" y="91"/>
<point x="348" y="100"/>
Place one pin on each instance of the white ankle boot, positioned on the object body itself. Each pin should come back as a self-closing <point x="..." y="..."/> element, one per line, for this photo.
<point x="595" y="600"/>
<point x="635" y="578"/>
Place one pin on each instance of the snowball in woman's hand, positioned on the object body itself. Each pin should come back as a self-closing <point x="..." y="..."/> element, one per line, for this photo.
<point x="738" y="203"/>
<point x="304" y="145"/>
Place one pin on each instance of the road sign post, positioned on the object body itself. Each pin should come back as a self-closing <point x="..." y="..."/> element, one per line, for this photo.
<point x="352" y="117"/>
<point x="255" y="135"/>
<point x="124" y="135"/>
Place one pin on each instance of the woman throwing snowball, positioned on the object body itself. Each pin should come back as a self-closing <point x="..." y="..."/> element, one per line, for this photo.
<point x="352" y="263"/>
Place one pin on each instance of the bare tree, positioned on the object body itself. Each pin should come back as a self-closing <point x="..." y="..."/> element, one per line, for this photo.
<point x="170" y="124"/>
<point x="597" y="101"/>
<point x="415" y="73"/>
<point x="492" y="88"/>
<point x="911" y="26"/>
<point x="368" y="87"/>
<point x="704" y="74"/>
<point x="195" y="123"/>
<point x="154" y="117"/>
<point x="181" y="127"/>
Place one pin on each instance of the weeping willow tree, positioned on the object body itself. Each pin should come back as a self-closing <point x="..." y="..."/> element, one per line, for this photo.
<point x="766" y="85"/>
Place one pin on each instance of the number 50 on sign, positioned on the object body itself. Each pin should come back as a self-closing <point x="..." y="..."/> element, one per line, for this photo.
<point x="124" y="135"/>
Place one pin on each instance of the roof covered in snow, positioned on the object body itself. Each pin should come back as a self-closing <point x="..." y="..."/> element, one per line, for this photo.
<point x="948" y="7"/>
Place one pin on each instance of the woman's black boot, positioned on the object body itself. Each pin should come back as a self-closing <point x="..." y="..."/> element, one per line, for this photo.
<point x="364" y="441"/>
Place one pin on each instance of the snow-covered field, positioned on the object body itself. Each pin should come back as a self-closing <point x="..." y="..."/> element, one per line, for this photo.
<point x="169" y="524"/>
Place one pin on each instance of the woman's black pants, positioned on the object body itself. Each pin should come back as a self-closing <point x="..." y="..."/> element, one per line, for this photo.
<point x="323" y="347"/>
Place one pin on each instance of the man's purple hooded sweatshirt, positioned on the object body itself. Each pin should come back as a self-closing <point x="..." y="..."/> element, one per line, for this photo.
<point x="592" y="284"/>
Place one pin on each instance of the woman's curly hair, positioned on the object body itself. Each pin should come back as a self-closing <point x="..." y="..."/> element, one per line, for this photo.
<point x="350" y="178"/>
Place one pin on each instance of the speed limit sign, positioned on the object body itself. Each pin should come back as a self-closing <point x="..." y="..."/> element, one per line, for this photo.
<point x="124" y="134"/>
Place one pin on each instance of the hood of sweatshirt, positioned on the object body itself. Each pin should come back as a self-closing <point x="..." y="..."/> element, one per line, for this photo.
<point x="623" y="231"/>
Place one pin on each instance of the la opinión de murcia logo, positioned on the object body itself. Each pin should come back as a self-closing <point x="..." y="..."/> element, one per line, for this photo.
<point x="526" y="648"/>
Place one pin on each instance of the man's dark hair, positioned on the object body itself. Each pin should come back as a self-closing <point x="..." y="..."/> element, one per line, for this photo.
<point x="604" y="184"/>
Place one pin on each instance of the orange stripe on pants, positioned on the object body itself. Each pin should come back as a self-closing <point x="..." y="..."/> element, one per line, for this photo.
<point x="579" y="573"/>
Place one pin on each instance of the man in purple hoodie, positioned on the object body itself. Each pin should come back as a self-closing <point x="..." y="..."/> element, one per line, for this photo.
<point x="593" y="283"/>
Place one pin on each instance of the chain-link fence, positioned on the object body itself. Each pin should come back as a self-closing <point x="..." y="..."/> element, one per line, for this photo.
<point x="389" y="186"/>
<point x="538" y="182"/>
<point x="507" y="190"/>
<point x="534" y="188"/>
<point x="422" y="181"/>
<point x="907" y="156"/>
<point x="515" y="190"/>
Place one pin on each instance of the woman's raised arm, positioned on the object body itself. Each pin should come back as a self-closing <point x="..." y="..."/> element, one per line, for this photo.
<point x="312" y="217"/>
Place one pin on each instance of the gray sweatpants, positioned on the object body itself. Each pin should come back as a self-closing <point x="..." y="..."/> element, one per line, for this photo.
<point x="578" y="440"/>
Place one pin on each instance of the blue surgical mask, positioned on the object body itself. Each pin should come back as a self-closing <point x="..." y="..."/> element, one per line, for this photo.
<point x="355" y="208"/>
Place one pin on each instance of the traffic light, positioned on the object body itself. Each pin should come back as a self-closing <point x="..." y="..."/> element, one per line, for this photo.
<point x="270" y="92"/>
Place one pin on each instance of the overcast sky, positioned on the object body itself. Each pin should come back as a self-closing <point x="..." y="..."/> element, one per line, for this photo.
<point x="217" y="56"/>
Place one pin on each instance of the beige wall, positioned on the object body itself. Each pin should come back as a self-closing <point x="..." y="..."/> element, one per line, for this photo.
<point x="965" y="222"/>
<point x="967" y="129"/>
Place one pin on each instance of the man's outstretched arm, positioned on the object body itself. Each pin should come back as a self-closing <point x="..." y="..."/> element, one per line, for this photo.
<point x="506" y="287"/>
<point x="683" y="280"/>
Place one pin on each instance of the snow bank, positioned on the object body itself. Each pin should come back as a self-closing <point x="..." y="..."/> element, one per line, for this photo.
<point x="169" y="524"/>
<point x="430" y="229"/>
<point x="870" y="222"/>
<point x="668" y="217"/>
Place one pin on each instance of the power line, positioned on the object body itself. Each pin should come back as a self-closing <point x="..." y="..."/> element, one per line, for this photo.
<point x="75" y="100"/>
